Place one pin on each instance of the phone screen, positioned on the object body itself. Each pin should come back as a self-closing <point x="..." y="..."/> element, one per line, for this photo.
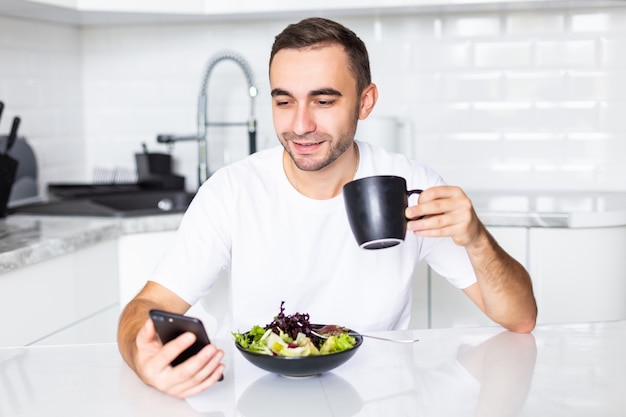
<point x="170" y="325"/>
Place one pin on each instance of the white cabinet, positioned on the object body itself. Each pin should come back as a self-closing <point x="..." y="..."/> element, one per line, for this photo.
<point x="579" y="274"/>
<point x="449" y="306"/>
<point x="138" y="255"/>
<point x="37" y="301"/>
<point x="97" y="12"/>
<point x="420" y="308"/>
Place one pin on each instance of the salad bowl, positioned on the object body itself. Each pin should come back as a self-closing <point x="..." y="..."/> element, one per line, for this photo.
<point x="301" y="366"/>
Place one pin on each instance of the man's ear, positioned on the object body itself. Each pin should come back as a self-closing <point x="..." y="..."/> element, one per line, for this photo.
<point x="369" y="96"/>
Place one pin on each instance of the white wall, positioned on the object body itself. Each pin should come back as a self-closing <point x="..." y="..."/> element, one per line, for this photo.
<point x="496" y="100"/>
<point x="41" y="81"/>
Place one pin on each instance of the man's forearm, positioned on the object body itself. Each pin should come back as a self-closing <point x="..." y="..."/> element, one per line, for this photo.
<point x="136" y="313"/>
<point x="131" y="320"/>
<point x="505" y="285"/>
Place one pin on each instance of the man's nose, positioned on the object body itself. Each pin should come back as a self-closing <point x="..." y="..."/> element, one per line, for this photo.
<point x="303" y="121"/>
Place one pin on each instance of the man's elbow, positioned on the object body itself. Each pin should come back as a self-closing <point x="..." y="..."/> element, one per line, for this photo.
<point x="524" y="324"/>
<point x="525" y="327"/>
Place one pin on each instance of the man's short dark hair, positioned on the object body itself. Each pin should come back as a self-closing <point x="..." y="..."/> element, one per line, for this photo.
<point x="317" y="31"/>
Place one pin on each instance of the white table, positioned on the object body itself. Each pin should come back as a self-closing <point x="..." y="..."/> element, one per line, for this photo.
<point x="560" y="370"/>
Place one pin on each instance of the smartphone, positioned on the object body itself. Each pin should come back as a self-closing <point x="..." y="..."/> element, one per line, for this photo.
<point x="170" y="325"/>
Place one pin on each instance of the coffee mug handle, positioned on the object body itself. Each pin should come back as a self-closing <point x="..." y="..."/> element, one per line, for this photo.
<point x="411" y="192"/>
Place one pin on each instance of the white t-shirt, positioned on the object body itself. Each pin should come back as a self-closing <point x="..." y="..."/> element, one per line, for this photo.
<point x="282" y="246"/>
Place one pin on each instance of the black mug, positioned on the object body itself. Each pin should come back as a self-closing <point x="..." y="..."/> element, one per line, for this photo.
<point x="375" y="207"/>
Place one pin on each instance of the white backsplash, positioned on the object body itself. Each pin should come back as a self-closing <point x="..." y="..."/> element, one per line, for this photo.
<point x="494" y="100"/>
<point x="41" y="81"/>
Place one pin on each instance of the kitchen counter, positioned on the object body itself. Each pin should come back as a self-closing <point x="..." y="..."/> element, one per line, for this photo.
<point x="550" y="209"/>
<point x="28" y="239"/>
<point x="558" y="370"/>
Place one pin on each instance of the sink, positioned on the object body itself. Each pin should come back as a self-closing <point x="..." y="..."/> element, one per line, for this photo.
<point x="159" y="201"/>
<point x="120" y="204"/>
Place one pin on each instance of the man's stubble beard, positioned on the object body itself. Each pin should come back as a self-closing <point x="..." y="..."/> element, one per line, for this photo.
<point x="338" y="147"/>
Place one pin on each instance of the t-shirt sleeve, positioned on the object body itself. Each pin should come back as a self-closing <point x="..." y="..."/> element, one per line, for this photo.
<point x="200" y="248"/>
<point x="443" y="255"/>
<point x="449" y="260"/>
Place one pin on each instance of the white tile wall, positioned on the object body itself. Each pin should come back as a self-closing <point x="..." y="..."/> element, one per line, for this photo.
<point x="518" y="99"/>
<point x="41" y="81"/>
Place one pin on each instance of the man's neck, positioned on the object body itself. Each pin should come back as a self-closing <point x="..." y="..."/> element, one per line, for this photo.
<point x="326" y="183"/>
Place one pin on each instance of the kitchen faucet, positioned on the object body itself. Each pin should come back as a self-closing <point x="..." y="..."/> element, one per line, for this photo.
<point x="203" y="113"/>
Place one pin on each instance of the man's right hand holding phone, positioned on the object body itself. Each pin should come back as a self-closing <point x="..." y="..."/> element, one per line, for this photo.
<point x="152" y="362"/>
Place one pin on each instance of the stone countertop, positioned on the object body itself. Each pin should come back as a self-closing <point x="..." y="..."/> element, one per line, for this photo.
<point x="26" y="239"/>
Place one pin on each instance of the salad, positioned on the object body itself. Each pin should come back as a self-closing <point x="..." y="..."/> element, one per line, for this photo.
<point x="291" y="336"/>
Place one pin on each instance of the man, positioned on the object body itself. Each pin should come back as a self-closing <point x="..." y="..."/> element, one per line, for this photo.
<point x="276" y="219"/>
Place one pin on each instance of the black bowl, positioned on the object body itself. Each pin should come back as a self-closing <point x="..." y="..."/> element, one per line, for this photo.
<point x="303" y="366"/>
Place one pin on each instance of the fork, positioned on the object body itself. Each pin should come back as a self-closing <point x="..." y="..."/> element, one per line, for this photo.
<point x="370" y="336"/>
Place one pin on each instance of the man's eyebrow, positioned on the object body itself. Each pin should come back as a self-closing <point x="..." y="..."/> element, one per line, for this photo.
<point x="313" y="93"/>
<point x="280" y="92"/>
<point x="325" y="92"/>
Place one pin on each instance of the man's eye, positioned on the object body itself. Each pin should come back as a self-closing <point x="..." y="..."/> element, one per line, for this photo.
<point x="326" y="102"/>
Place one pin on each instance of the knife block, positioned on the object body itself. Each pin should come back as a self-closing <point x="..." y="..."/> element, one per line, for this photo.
<point x="8" y="169"/>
